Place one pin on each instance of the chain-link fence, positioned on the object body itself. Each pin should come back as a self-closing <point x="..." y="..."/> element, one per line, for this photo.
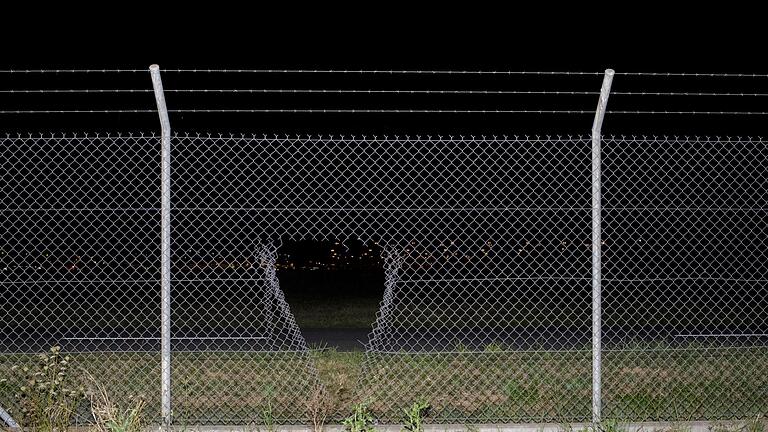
<point x="487" y="257"/>
<point x="684" y="274"/>
<point x="555" y="279"/>
<point x="80" y="245"/>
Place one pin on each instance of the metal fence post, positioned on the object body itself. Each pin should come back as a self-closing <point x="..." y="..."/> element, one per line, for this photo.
<point x="165" y="246"/>
<point x="597" y="252"/>
<point x="7" y="419"/>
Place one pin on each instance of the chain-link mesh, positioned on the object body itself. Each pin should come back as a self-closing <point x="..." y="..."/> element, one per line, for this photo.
<point x="80" y="247"/>
<point x="684" y="278"/>
<point x="486" y="246"/>
<point x="487" y="260"/>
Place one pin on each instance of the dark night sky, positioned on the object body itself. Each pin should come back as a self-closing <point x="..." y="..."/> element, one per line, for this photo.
<point x="660" y="47"/>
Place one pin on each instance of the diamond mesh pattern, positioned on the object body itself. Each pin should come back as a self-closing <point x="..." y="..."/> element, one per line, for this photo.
<point x="684" y="278"/>
<point x="487" y="259"/>
<point x="80" y="246"/>
<point x="487" y="255"/>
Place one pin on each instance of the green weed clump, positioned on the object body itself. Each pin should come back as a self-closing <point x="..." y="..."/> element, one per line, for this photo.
<point x="361" y="419"/>
<point x="267" y="415"/>
<point x="414" y="416"/>
<point x="611" y="425"/>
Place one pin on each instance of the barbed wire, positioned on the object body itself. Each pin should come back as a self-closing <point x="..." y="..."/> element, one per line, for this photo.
<point x="13" y="71"/>
<point x="383" y="71"/>
<point x="384" y="91"/>
<point x="737" y="113"/>
<point x="633" y="93"/>
<point x="459" y="111"/>
<point x="308" y="111"/>
<point x="695" y="74"/>
<point x="104" y="111"/>
<point x="381" y="111"/>
<point x="318" y="71"/>
<point x="400" y="91"/>
<point x="374" y="91"/>
<point x="393" y="71"/>
<point x="26" y="91"/>
<point x="320" y="91"/>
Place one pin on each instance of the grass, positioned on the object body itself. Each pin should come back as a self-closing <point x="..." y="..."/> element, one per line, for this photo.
<point x="333" y="299"/>
<point x="109" y="416"/>
<point x="222" y="388"/>
<point x="330" y="312"/>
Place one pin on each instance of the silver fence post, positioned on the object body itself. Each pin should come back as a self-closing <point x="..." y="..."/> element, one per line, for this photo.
<point x="165" y="246"/>
<point x="597" y="208"/>
<point x="7" y="419"/>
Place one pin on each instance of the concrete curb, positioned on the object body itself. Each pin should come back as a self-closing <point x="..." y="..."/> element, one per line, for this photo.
<point x="695" y="426"/>
<point x="692" y="426"/>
